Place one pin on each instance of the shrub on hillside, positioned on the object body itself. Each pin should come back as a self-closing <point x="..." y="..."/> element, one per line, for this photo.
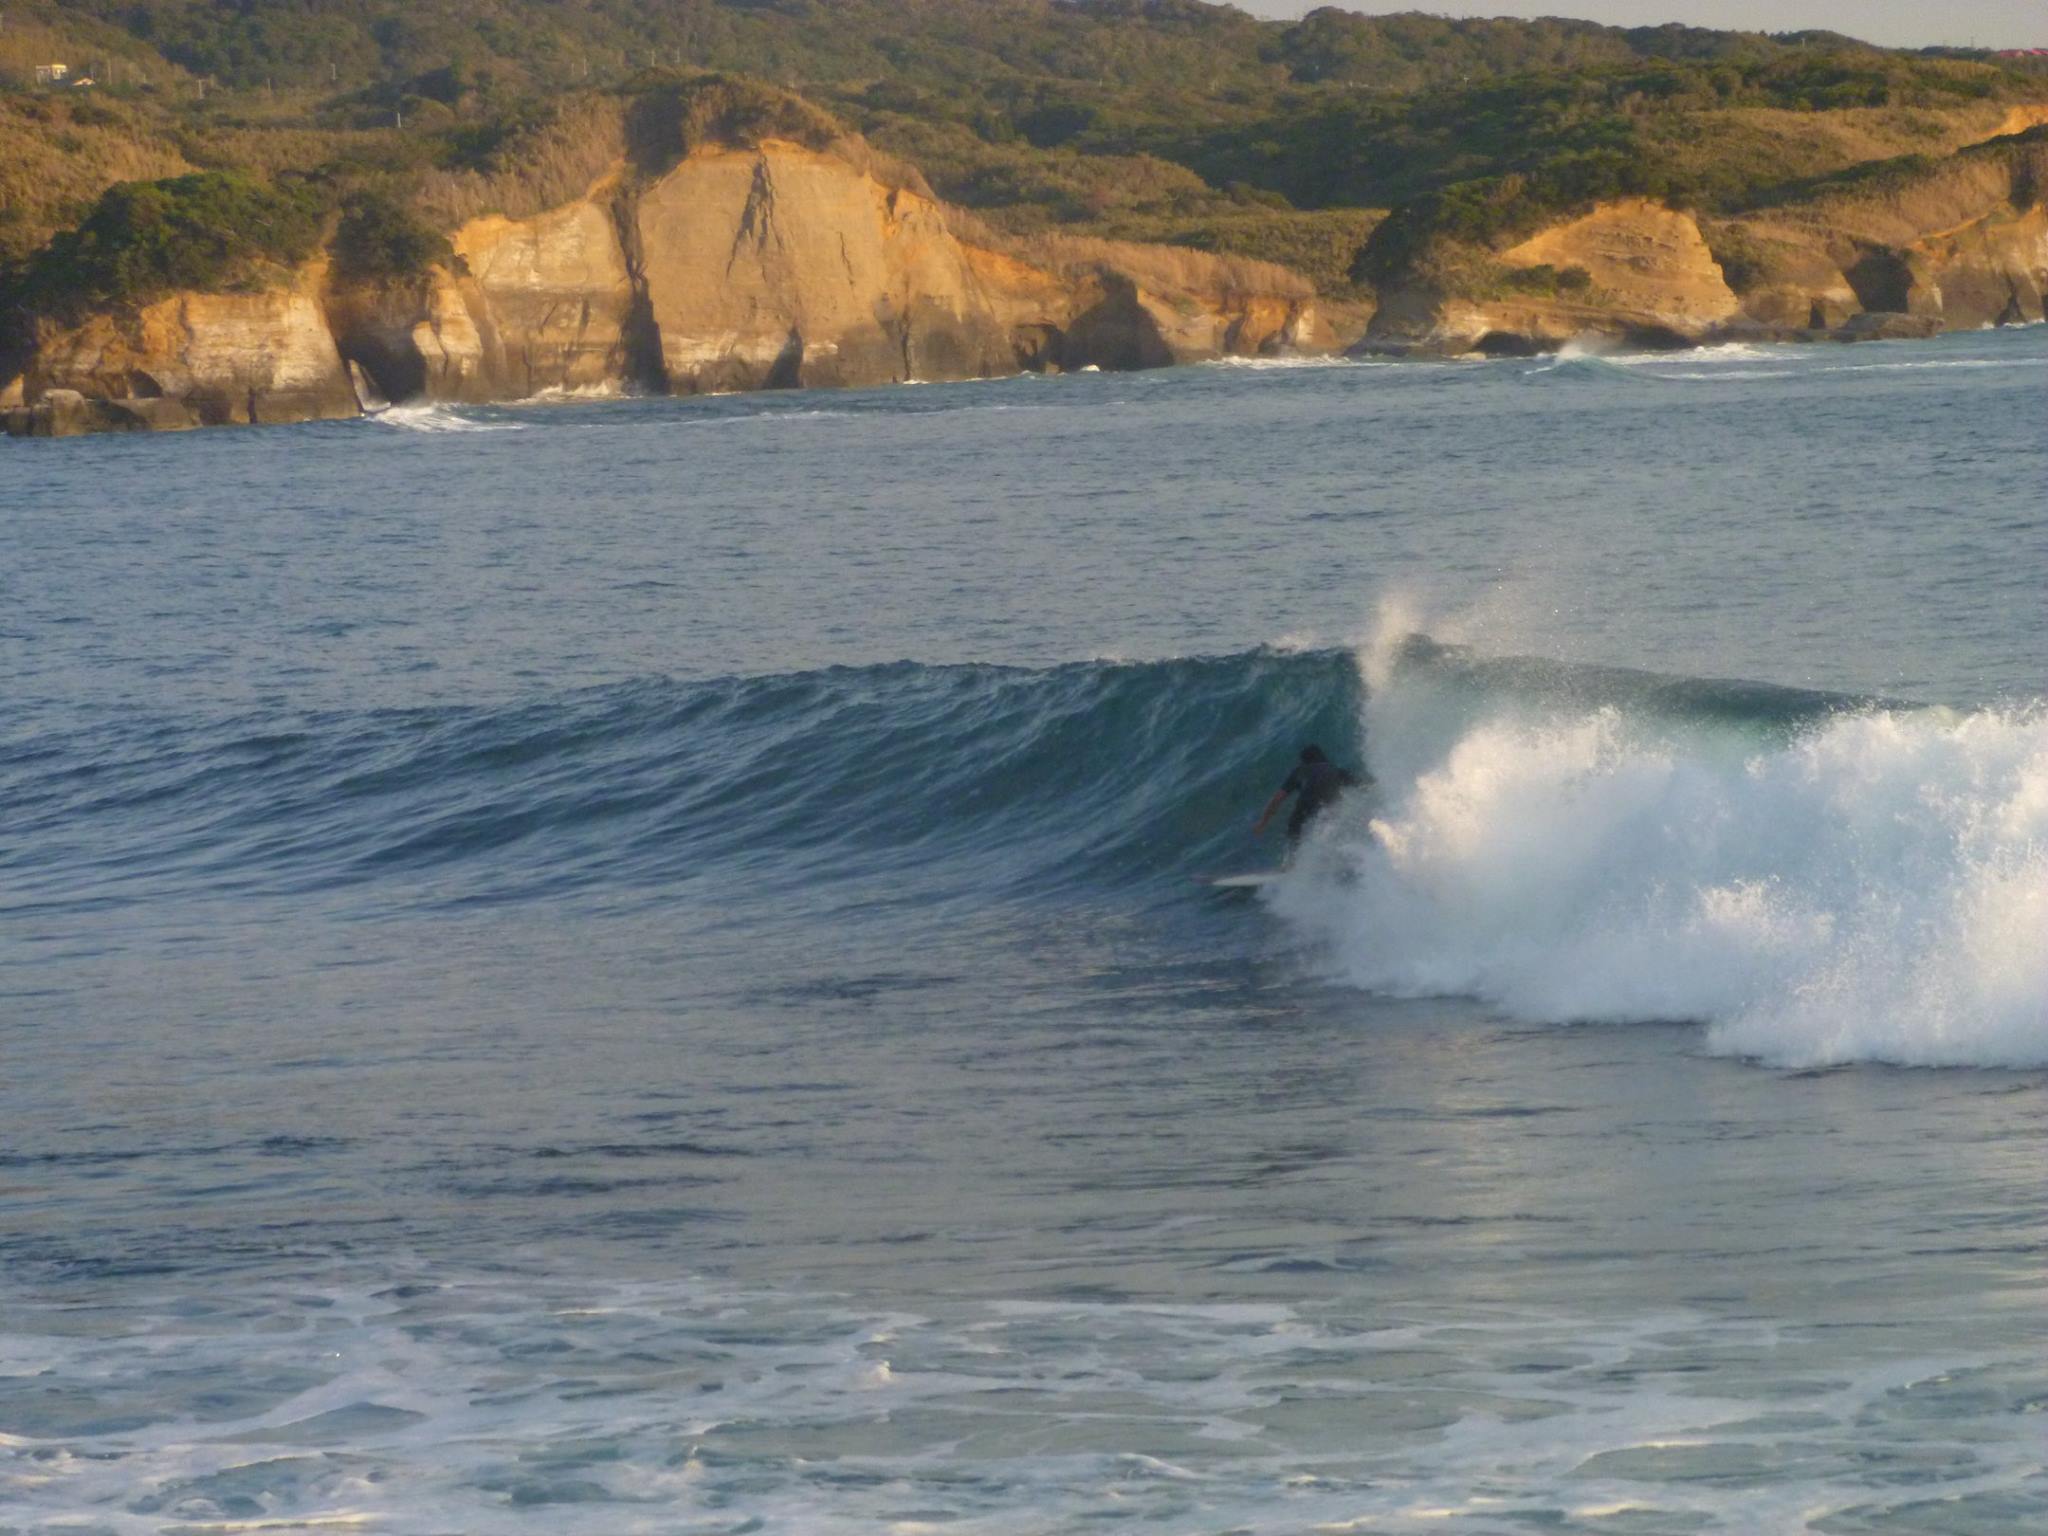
<point x="212" y="231"/>
<point x="380" y="238"/>
<point x="1547" y="281"/>
<point x="667" y="118"/>
<point x="1321" y="245"/>
<point x="1743" y="260"/>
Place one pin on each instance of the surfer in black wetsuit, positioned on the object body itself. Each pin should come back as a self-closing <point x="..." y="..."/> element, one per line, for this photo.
<point x="1316" y="784"/>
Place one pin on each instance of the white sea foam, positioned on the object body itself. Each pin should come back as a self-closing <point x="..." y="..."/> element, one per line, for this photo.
<point x="1273" y="364"/>
<point x="813" y="413"/>
<point x="1732" y="376"/>
<point x="1736" y="362"/>
<point x="478" y="1406"/>
<point x="1728" y="352"/>
<point x="1937" y="364"/>
<point x="1730" y="360"/>
<point x="1296" y="642"/>
<point x="1871" y="887"/>
<point x="428" y="416"/>
<point x="559" y="394"/>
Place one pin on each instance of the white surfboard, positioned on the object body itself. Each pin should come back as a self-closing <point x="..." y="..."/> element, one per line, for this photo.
<point x="1258" y="880"/>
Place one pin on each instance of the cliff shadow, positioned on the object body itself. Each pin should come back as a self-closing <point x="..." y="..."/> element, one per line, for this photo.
<point x="642" y="362"/>
<point x="1115" y="334"/>
<point x="1882" y="279"/>
<point x="1038" y="347"/>
<point x="393" y="365"/>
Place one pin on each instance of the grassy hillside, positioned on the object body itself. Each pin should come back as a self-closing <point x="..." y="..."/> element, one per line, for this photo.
<point x="1161" y="48"/>
<point x="1157" y="120"/>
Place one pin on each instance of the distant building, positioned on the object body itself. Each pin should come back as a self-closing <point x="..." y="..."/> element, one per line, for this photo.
<point x="52" y="74"/>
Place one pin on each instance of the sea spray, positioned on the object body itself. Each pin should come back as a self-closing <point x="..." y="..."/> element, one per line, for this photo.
<point x="1815" y="884"/>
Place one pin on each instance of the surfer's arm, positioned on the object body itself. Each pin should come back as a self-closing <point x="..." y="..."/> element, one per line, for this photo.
<point x="1279" y="799"/>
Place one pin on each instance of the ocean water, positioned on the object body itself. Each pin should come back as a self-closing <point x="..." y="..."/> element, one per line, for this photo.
<point x="630" y="966"/>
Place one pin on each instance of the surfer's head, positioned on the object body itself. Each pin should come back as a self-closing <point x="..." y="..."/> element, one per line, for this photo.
<point x="1313" y="754"/>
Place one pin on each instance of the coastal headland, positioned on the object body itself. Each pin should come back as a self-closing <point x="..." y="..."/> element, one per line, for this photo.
<point x="688" y="231"/>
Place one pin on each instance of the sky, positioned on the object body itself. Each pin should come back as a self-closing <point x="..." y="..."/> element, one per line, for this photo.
<point x="1895" y="23"/>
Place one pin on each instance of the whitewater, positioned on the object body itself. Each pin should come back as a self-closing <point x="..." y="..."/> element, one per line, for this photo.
<point x="631" y="965"/>
<point x="1817" y="880"/>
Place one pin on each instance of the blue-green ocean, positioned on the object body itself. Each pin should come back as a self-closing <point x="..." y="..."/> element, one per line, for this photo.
<point x="635" y="966"/>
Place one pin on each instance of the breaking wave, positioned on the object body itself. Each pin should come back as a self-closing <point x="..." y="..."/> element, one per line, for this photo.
<point x="1816" y="879"/>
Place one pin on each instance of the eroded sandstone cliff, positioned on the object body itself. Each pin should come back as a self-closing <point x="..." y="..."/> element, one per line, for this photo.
<point x="770" y="265"/>
<point x="1961" y="245"/>
<point x="193" y="359"/>
<point x="782" y="265"/>
<point x="779" y="263"/>
<point x="1956" y="245"/>
<point x="1111" y="304"/>
<point x="785" y="266"/>
<point x="528" y="305"/>
<point x="1626" y="270"/>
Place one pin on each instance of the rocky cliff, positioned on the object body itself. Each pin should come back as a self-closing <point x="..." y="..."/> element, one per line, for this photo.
<point x="1115" y="305"/>
<point x="804" y="261"/>
<point x="1626" y="270"/>
<point x="527" y="305"/>
<point x="771" y="265"/>
<point x="1910" y="250"/>
<point x="783" y="265"/>
<point x="1954" y="246"/>
<point x="194" y="359"/>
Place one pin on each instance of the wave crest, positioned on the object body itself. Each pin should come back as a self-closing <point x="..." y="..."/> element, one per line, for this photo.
<point x="1815" y="878"/>
<point x="1864" y="883"/>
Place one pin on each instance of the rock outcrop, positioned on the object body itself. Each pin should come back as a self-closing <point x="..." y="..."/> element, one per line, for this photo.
<point x="1629" y="270"/>
<point x="1961" y="246"/>
<point x="1651" y="265"/>
<point x="767" y="266"/>
<point x="1077" y="303"/>
<point x="1954" y="246"/>
<point x="779" y="263"/>
<point x="530" y="305"/>
<point x="785" y="266"/>
<point x="190" y="360"/>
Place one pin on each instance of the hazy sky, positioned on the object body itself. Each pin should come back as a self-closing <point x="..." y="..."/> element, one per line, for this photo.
<point x="1897" y="23"/>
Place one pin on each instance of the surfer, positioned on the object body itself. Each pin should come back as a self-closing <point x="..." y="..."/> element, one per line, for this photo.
<point x="1316" y="784"/>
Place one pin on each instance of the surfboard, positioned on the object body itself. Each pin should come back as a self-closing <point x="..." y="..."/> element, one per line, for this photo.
<point x="1255" y="881"/>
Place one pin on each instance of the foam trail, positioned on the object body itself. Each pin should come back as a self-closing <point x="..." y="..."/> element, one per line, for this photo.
<point x="1724" y="352"/>
<point x="1593" y="357"/>
<point x="1294" y="360"/>
<point x="426" y="416"/>
<point x="1867" y="884"/>
<point x="558" y="394"/>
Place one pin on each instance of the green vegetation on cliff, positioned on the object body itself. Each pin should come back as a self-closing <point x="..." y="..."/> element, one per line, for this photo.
<point x="1158" y="120"/>
<point x="380" y="237"/>
<point x="668" y="117"/>
<point x="210" y="231"/>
